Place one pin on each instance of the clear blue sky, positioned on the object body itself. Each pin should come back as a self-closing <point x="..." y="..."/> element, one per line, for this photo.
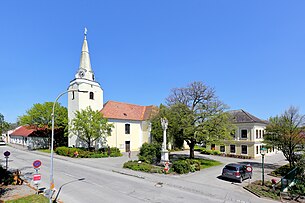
<point x="251" y="52"/>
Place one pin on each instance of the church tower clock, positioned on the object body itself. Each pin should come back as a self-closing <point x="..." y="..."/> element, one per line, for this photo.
<point x="90" y="92"/>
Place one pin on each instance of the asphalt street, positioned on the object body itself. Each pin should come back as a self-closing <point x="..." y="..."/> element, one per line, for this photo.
<point x="106" y="180"/>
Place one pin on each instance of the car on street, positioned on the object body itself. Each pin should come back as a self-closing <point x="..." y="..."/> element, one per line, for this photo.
<point x="2" y="142"/>
<point x="238" y="172"/>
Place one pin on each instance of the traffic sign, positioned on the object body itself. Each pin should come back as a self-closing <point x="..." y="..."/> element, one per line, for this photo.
<point x="7" y="153"/>
<point x="249" y="168"/>
<point x="36" y="177"/>
<point x="37" y="164"/>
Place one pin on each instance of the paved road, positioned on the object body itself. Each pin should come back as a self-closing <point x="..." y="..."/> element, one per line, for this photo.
<point x="106" y="181"/>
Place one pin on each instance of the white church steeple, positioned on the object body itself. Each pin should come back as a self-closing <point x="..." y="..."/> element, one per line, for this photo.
<point x="85" y="70"/>
<point x="84" y="81"/>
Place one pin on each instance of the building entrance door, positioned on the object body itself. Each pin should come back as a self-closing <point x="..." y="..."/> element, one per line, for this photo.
<point x="127" y="146"/>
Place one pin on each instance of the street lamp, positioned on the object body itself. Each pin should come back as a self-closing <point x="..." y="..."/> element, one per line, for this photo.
<point x="52" y="141"/>
<point x="80" y="179"/>
<point x="263" y="152"/>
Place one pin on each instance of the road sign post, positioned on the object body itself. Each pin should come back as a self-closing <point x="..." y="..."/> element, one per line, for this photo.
<point x="6" y="154"/>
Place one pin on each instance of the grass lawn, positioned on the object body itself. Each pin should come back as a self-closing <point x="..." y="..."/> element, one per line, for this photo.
<point x="45" y="150"/>
<point x="207" y="163"/>
<point x="30" y="199"/>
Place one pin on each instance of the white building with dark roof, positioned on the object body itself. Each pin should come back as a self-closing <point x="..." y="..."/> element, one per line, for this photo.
<point x="248" y="138"/>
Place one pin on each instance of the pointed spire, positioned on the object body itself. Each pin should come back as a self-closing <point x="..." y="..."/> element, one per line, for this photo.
<point x="85" y="58"/>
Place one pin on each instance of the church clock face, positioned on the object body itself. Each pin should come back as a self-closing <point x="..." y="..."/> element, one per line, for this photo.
<point x="81" y="74"/>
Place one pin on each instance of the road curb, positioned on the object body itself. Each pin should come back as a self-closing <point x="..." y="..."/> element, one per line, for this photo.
<point x="128" y="174"/>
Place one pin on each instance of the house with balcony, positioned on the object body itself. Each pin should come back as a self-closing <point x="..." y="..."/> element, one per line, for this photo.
<point x="248" y="137"/>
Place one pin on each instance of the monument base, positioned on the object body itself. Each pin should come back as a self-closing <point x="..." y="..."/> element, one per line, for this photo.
<point x="164" y="156"/>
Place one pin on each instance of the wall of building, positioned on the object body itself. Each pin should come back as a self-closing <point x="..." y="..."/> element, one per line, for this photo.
<point x="139" y="134"/>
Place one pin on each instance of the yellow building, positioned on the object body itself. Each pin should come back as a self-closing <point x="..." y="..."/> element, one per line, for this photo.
<point x="131" y="125"/>
<point x="248" y="137"/>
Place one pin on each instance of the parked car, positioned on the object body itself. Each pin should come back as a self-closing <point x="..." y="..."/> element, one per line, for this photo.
<point x="2" y="142"/>
<point x="237" y="172"/>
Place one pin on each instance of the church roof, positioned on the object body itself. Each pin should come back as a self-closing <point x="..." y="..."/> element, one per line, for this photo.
<point x="241" y="116"/>
<point x="124" y="111"/>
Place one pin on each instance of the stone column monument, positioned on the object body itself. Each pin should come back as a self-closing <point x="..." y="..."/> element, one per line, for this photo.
<point x="164" y="152"/>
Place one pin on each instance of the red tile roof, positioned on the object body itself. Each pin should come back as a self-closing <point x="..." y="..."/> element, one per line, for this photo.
<point x="124" y="111"/>
<point x="26" y="131"/>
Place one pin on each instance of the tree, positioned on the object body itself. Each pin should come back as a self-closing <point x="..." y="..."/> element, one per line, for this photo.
<point x="89" y="126"/>
<point x="199" y="115"/>
<point x="284" y="133"/>
<point x="40" y="117"/>
<point x="3" y="125"/>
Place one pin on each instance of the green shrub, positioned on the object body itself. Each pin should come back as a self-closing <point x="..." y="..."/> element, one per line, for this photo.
<point x="216" y="152"/>
<point x="83" y="153"/>
<point x="181" y="166"/>
<point x="134" y="165"/>
<point x="115" y="152"/>
<point x="150" y="153"/>
<point x="194" y="164"/>
<point x="6" y="177"/>
<point x="206" y="151"/>
<point x="198" y="148"/>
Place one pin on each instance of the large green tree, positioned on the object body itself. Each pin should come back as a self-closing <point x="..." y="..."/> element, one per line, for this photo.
<point x="40" y="117"/>
<point x="284" y="133"/>
<point x="3" y="125"/>
<point x="199" y="115"/>
<point x="89" y="126"/>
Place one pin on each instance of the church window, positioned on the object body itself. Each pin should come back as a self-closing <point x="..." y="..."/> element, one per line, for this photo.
<point x="91" y="95"/>
<point x="127" y="128"/>
<point x="73" y="95"/>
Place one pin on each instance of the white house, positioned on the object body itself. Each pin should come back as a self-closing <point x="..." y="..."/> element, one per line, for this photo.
<point x="248" y="137"/>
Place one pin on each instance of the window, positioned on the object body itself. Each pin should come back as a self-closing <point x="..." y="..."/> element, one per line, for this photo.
<point x="244" y="149"/>
<point x="127" y="128"/>
<point x="73" y="95"/>
<point x="212" y="146"/>
<point x="260" y="134"/>
<point x="263" y="132"/>
<point x="222" y="149"/>
<point x="257" y="150"/>
<point x="244" y="133"/>
<point x="91" y="95"/>
<point x="256" y="134"/>
<point x="232" y="148"/>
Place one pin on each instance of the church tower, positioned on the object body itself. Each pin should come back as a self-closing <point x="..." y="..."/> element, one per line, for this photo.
<point x="84" y="81"/>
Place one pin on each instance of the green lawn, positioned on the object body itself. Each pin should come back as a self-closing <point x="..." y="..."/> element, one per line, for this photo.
<point x="207" y="163"/>
<point x="45" y="150"/>
<point x="30" y="199"/>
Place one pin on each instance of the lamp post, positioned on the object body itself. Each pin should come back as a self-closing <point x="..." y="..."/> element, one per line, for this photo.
<point x="164" y="152"/>
<point x="80" y="179"/>
<point x="52" y="141"/>
<point x="263" y="152"/>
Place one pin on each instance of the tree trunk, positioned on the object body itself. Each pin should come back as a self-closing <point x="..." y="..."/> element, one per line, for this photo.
<point x="192" y="145"/>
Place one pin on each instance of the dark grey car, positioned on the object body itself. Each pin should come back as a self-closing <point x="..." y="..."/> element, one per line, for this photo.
<point x="237" y="172"/>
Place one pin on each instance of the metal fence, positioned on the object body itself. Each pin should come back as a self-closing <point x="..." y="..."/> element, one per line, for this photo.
<point x="288" y="179"/>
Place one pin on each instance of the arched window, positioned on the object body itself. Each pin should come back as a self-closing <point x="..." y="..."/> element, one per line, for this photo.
<point x="91" y="95"/>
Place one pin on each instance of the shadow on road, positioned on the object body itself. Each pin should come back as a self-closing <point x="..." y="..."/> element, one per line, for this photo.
<point x="259" y="165"/>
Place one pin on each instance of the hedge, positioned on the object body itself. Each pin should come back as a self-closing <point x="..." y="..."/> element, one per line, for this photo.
<point x="82" y="153"/>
